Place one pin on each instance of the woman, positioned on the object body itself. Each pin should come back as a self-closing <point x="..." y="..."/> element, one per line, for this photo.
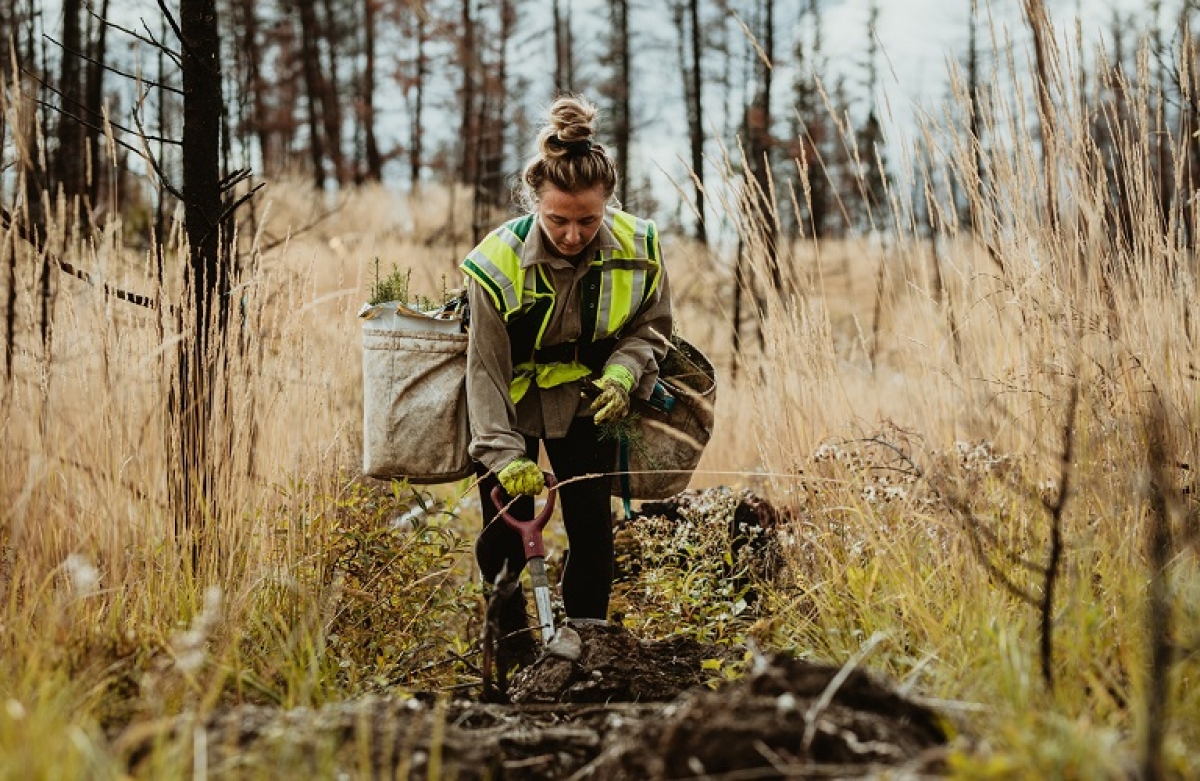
<point x="568" y="302"/>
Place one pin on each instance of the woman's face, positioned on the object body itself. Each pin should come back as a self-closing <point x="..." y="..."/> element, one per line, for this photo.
<point x="570" y="220"/>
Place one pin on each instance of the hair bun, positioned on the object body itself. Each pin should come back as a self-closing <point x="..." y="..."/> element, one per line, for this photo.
<point x="568" y="156"/>
<point x="570" y="130"/>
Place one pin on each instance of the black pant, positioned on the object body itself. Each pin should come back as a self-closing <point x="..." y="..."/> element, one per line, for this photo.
<point x="588" y="572"/>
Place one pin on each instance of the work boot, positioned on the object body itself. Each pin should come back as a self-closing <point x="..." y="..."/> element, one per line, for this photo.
<point x="516" y="647"/>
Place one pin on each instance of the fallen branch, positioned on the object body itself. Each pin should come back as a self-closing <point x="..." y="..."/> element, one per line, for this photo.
<point x="35" y="240"/>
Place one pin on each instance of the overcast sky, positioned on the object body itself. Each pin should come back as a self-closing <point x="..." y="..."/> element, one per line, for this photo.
<point x="916" y="39"/>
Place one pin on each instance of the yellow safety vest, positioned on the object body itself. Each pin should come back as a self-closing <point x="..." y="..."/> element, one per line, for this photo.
<point x="617" y="284"/>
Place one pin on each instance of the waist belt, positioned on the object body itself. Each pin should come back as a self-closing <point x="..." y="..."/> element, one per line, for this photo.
<point x="591" y="354"/>
<point x="559" y="353"/>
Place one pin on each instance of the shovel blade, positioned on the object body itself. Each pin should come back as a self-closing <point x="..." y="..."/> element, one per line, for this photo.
<point x="541" y="596"/>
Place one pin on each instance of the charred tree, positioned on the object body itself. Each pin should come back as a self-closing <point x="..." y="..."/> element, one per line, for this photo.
<point x="68" y="166"/>
<point x="203" y="207"/>
<point x="331" y="105"/>
<point x="374" y="160"/>
<point x="94" y="100"/>
<point x="564" y="61"/>
<point x="870" y="135"/>
<point x="975" y="96"/>
<point x="415" y="93"/>
<point x="468" y="126"/>
<point x="492" y="106"/>
<point x="812" y="133"/>
<point x="620" y="91"/>
<point x="690" y="36"/>
<point x="314" y="84"/>
<point x="760" y="142"/>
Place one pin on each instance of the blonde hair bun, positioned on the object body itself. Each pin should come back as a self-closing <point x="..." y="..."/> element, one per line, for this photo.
<point x="568" y="156"/>
<point x="572" y="120"/>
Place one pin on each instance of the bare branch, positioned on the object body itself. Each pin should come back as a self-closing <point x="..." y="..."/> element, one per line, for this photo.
<point x="233" y="207"/>
<point x="51" y="88"/>
<point x="8" y="222"/>
<point x="150" y="158"/>
<point x="147" y="39"/>
<point x="1054" y="565"/>
<point x="111" y="69"/>
<point x="89" y="125"/>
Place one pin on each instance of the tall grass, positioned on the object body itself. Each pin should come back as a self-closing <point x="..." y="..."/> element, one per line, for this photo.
<point x="925" y="434"/>
<point x="912" y="422"/>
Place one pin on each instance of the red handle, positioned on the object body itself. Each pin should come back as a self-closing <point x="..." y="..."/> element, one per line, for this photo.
<point x="530" y="531"/>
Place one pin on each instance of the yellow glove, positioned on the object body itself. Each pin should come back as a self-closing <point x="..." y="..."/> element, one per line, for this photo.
<point x="522" y="477"/>
<point x="613" y="402"/>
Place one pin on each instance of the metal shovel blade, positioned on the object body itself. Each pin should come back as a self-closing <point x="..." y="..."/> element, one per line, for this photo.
<point x="541" y="595"/>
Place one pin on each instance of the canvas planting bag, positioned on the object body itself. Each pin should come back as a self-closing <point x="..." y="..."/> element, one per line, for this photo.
<point x="669" y="431"/>
<point x="414" y="394"/>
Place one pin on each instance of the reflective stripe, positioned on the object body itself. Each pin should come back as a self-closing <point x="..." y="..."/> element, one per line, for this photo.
<point x="549" y="375"/>
<point x="622" y="296"/>
<point x="638" y="290"/>
<point x="498" y="259"/>
<point x="604" y="308"/>
<point x="548" y="293"/>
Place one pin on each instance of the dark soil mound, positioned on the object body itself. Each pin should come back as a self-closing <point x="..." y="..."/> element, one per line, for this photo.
<point x="789" y="713"/>
<point x="614" y="666"/>
<point x="621" y="709"/>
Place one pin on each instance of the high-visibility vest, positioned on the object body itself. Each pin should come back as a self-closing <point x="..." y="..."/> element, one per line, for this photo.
<point x="616" y="285"/>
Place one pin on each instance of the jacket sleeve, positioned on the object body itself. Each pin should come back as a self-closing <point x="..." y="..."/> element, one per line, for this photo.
<point x="643" y="341"/>
<point x="494" y="440"/>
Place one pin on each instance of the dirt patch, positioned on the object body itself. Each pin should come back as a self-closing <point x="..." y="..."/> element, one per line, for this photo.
<point x="621" y="708"/>
<point x="614" y="666"/>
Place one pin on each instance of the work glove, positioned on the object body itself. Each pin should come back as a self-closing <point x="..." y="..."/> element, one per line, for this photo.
<point x="613" y="402"/>
<point x="522" y="477"/>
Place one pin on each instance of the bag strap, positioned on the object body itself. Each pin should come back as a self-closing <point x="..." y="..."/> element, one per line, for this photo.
<point x="626" y="487"/>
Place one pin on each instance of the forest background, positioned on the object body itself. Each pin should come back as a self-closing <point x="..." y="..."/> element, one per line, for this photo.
<point x="970" y="319"/>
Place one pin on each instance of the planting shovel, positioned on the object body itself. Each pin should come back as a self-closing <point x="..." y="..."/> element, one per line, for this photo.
<point x="535" y="552"/>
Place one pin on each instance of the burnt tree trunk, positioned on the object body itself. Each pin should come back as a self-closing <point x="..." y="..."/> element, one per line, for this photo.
<point x="374" y="159"/>
<point x="202" y="110"/>
<point x="250" y="52"/>
<point x="94" y="93"/>
<point x="620" y="94"/>
<point x="420" y="72"/>
<point x="975" y="94"/>
<point x="314" y="87"/>
<point x="564" y="62"/>
<point x="760" y="143"/>
<point x="331" y="106"/>
<point x="468" y="132"/>
<point x="68" y="162"/>
<point x="696" y="119"/>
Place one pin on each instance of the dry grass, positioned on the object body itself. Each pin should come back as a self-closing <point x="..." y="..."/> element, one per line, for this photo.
<point x="891" y="439"/>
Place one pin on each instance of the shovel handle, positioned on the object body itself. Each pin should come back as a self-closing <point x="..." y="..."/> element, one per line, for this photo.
<point x="530" y="531"/>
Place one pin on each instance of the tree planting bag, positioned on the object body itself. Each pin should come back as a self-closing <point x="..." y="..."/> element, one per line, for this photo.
<point x="414" y="394"/>
<point x="666" y="434"/>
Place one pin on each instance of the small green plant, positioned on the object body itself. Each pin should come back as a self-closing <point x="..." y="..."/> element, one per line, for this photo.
<point x="396" y="286"/>
<point x="393" y="287"/>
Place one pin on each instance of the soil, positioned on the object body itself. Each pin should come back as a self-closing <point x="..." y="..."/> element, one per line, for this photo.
<point x="620" y="709"/>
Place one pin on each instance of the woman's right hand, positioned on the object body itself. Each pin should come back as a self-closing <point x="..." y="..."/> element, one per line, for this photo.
<point x="522" y="477"/>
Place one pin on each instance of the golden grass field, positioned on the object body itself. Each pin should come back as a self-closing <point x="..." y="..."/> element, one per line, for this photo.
<point x="910" y="465"/>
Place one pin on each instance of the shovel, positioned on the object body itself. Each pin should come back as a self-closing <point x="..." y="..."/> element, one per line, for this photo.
<point x="535" y="552"/>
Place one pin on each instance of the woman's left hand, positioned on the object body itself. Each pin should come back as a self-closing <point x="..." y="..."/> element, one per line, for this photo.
<point x="613" y="402"/>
